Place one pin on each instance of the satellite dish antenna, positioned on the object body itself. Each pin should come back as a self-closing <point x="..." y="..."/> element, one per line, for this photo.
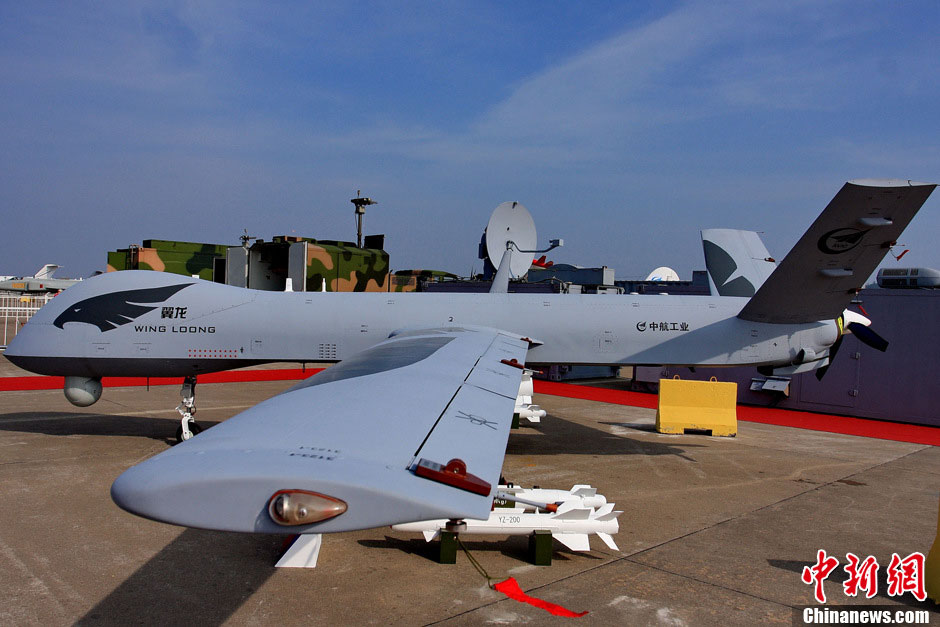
<point x="511" y="225"/>
<point x="663" y="273"/>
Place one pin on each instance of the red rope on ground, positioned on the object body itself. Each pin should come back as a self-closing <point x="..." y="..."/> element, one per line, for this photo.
<point x="511" y="589"/>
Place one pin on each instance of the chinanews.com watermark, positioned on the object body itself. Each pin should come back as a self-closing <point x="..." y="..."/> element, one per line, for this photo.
<point x="856" y="615"/>
<point x="904" y="576"/>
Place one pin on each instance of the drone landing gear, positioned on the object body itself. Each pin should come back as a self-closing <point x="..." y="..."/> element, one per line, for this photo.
<point x="187" y="408"/>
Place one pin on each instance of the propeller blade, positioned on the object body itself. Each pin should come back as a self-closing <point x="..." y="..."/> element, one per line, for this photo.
<point x="867" y="336"/>
<point x="833" y="350"/>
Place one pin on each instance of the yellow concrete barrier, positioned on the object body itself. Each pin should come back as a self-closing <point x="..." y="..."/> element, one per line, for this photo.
<point x="932" y="568"/>
<point x="698" y="405"/>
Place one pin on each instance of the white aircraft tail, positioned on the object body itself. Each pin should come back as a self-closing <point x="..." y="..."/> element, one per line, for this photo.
<point x="46" y="271"/>
<point x="738" y="262"/>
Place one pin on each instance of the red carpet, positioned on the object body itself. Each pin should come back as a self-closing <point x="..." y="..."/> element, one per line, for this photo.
<point x="916" y="434"/>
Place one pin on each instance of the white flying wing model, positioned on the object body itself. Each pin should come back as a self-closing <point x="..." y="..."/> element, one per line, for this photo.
<point x="334" y="452"/>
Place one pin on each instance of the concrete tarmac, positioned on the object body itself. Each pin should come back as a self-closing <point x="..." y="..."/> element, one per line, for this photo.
<point x="715" y="531"/>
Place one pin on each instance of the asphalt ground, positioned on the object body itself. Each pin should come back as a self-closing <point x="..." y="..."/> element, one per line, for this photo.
<point x="715" y="531"/>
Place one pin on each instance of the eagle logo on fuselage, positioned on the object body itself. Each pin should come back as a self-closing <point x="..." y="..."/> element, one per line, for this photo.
<point x="109" y="311"/>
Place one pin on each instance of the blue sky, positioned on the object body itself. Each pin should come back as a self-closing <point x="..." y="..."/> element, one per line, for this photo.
<point x="624" y="128"/>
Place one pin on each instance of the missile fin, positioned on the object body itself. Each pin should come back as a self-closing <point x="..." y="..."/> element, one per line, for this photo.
<point x="574" y="513"/>
<point x="603" y="510"/>
<point x="431" y="534"/>
<point x="583" y="491"/>
<point x="610" y="516"/>
<point x="574" y="541"/>
<point x="608" y="540"/>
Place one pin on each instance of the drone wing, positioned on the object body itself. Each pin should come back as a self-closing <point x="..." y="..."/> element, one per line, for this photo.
<point x="821" y="274"/>
<point x="370" y="439"/>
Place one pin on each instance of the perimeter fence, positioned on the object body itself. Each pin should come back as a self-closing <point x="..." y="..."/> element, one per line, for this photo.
<point x="16" y="309"/>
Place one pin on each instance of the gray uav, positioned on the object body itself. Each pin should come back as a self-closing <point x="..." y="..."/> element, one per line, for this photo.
<point x="426" y="379"/>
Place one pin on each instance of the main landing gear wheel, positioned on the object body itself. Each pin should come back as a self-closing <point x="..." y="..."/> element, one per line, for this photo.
<point x="194" y="429"/>
<point x="187" y="409"/>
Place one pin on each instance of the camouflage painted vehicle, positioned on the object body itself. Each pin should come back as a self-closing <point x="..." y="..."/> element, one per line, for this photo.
<point x="186" y="258"/>
<point x="410" y="280"/>
<point x="346" y="267"/>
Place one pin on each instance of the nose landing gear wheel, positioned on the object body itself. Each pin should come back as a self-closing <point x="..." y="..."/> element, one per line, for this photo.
<point x="187" y="408"/>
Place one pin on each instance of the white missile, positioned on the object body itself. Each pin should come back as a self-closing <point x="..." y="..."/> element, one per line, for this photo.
<point x="532" y="413"/>
<point x="524" y="407"/>
<point x="570" y="525"/>
<point x="582" y="496"/>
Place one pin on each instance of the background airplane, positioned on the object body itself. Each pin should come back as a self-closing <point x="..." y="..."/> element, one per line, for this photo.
<point x="42" y="281"/>
<point x="412" y="423"/>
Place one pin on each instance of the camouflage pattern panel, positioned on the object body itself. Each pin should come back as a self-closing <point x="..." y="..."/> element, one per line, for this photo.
<point x="410" y="280"/>
<point x="186" y="258"/>
<point x="148" y="259"/>
<point x="216" y="250"/>
<point x="403" y="283"/>
<point x="187" y="264"/>
<point x="321" y="264"/>
<point x="345" y="267"/>
<point x="362" y="270"/>
<point x="118" y="260"/>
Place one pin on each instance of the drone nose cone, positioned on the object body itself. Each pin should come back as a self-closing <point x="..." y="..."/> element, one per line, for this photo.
<point x="13" y="348"/>
<point x="224" y="489"/>
<point x="134" y="491"/>
<point x="174" y="488"/>
<point x="28" y="348"/>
